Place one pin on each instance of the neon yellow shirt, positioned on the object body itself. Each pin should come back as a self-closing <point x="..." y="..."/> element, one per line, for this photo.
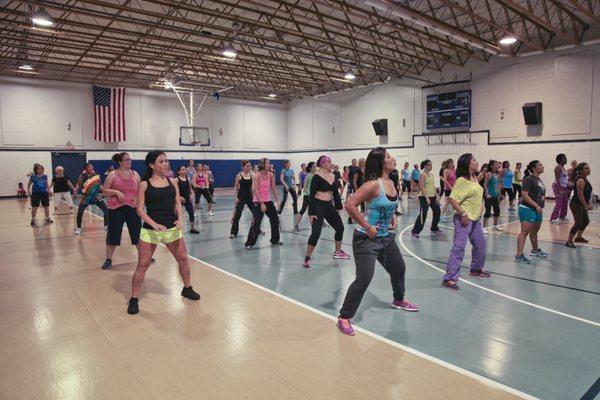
<point x="470" y="197"/>
<point x="428" y="185"/>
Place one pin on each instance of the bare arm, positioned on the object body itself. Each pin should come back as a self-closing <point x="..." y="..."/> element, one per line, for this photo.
<point x="178" y="208"/>
<point x="486" y="183"/>
<point x="274" y="188"/>
<point x="580" y="185"/>
<point x="107" y="187"/>
<point x="283" y="180"/>
<point x="236" y="188"/>
<point x="29" y="187"/>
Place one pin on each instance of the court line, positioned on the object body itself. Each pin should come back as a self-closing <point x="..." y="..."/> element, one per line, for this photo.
<point x="550" y="310"/>
<point x="482" y="379"/>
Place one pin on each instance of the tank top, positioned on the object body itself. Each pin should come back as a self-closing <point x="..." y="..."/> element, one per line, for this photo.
<point x="245" y="190"/>
<point x="563" y="178"/>
<point x="428" y="185"/>
<point x="264" y="189"/>
<point x="201" y="180"/>
<point x="127" y="186"/>
<point x="450" y="179"/>
<point x="508" y="178"/>
<point x="308" y="180"/>
<point x="184" y="188"/>
<point x="405" y="175"/>
<point x="302" y="176"/>
<point x="379" y="212"/>
<point x="587" y="191"/>
<point x="493" y="186"/>
<point x="160" y="205"/>
<point x="518" y="177"/>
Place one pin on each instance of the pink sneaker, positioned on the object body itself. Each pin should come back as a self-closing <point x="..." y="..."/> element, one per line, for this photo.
<point x="306" y="263"/>
<point x="405" y="305"/>
<point x="345" y="327"/>
<point x="341" y="255"/>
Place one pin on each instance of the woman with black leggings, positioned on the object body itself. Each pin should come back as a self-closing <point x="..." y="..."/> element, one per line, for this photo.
<point x="580" y="205"/>
<point x="243" y="196"/>
<point x="186" y="195"/>
<point x="427" y="198"/>
<point x="323" y="191"/>
<point x="310" y="172"/>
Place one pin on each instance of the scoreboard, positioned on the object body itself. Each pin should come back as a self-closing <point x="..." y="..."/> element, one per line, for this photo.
<point x="449" y="110"/>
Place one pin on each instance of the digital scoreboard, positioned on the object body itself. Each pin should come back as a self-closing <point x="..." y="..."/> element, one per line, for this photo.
<point x="449" y="110"/>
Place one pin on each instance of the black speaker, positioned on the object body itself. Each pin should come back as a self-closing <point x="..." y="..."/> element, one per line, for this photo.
<point x="380" y="126"/>
<point x="532" y="113"/>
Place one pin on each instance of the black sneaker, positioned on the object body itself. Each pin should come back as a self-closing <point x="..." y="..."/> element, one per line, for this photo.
<point x="397" y="213"/>
<point x="189" y="293"/>
<point x="194" y="231"/>
<point x="107" y="264"/>
<point x="276" y="243"/>
<point x="350" y="221"/>
<point x="33" y="222"/>
<point x="133" y="307"/>
<point x="571" y="245"/>
<point x="49" y="221"/>
<point x="152" y="260"/>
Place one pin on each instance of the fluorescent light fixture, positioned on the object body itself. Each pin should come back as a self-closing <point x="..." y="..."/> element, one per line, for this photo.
<point x="272" y="95"/>
<point x="349" y="76"/>
<point x="506" y="40"/>
<point x="42" y="18"/>
<point x="229" y="52"/>
<point x="26" y="67"/>
<point x="167" y="84"/>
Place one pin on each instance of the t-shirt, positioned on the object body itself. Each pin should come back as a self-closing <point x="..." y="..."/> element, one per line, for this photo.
<point x="39" y="183"/>
<point x="395" y="176"/>
<point x="90" y="187"/>
<point x="351" y="171"/>
<point x="360" y="178"/>
<point x="288" y="176"/>
<point x="470" y="197"/>
<point x="307" y="181"/>
<point x="405" y="175"/>
<point x="61" y="184"/>
<point x="536" y="189"/>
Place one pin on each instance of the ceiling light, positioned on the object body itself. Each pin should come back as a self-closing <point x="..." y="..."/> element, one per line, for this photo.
<point x="42" y="18"/>
<point x="167" y="84"/>
<point x="272" y="95"/>
<point x="229" y="52"/>
<point x="508" y="40"/>
<point x="26" y="67"/>
<point x="349" y="76"/>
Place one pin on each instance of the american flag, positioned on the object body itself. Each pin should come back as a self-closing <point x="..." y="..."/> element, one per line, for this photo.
<point x="109" y="114"/>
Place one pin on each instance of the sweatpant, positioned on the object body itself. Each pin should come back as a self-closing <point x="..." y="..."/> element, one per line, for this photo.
<point x="83" y="205"/>
<point x="472" y="232"/>
<point x="324" y="210"/>
<point x="294" y="200"/>
<point x="581" y="218"/>
<point x="189" y="207"/>
<point x="561" y="198"/>
<point x="62" y="196"/>
<point x="257" y="216"/>
<point x="420" y="222"/>
<point x="492" y="202"/>
<point x="366" y="252"/>
<point x="239" y="207"/>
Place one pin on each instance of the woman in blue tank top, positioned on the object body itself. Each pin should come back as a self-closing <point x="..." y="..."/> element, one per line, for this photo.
<point x="507" y="183"/>
<point x="373" y="240"/>
<point x="492" y="188"/>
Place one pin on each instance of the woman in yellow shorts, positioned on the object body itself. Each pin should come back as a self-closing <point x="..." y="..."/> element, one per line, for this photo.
<point x="162" y="214"/>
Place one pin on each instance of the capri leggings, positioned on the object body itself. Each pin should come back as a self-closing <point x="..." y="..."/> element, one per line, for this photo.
<point x="324" y="210"/>
<point x="492" y="202"/>
<point x="189" y="207"/>
<point x="203" y="192"/>
<point x="581" y="218"/>
<point x="305" y="201"/>
<point x="510" y="192"/>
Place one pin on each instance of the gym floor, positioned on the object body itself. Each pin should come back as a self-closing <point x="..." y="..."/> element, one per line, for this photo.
<point x="265" y="326"/>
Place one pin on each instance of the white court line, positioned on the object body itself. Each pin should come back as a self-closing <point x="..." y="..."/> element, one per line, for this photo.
<point x="486" y="381"/>
<point x="550" y="310"/>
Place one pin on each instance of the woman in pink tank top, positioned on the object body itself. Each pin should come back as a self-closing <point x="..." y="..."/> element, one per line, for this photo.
<point x="263" y="185"/>
<point x="200" y="182"/>
<point x="121" y="188"/>
<point x="449" y="179"/>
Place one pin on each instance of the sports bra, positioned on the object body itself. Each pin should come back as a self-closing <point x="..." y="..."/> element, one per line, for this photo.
<point x="201" y="181"/>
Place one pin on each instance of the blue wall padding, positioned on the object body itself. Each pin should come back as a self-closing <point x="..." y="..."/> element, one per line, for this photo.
<point x="223" y="170"/>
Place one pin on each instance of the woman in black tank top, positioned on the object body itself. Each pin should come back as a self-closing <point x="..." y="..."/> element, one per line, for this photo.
<point x="242" y="196"/>
<point x="159" y="206"/>
<point x="186" y="195"/>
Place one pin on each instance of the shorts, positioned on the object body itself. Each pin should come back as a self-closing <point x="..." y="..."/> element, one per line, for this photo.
<point x="37" y="197"/>
<point x="406" y="185"/>
<point x="415" y="181"/>
<point x="530" y="215"/>
<point x="165" y="237"/>
<point x="117" y="217"/>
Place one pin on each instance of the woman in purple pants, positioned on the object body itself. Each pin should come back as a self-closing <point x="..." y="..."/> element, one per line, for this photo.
<point x="467" y="200"/>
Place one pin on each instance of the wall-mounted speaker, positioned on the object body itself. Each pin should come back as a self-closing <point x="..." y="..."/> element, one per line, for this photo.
<point x="380" y="126"/>
<point x="532" y="113"/>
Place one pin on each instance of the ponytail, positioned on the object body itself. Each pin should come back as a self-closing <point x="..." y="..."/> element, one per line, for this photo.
<point x="118" y="157"/>
<point x="150" y="159"/>
<point x="530" y="167"/>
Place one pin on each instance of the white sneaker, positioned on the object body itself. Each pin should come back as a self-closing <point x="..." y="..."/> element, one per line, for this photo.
<point x="77" y="231"/>
<point x="497" y="228"/>
<point x="485" y="231"/>
<point x="211" y="214"/>
<point x="555" y="222"/>
<point x="565" y="220"/>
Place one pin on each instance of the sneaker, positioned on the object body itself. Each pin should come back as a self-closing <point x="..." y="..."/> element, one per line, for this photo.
<point x="555" y="222"/>
<point x="277" y="244"/>
<point x="194" y="231"/>
<point x="350" y="221"/>
<point x="306" y="263"/>
<point x="106" y="228"/>
<point x="450" y="285"/>
<point x="49" y="221"/>
<point x="261" y="232"/>
<point x="77" y="231"/>
<point x="571" y="245"/>
<point x="211" y="214"/>
<point x="481" y="273"/>
<point x="397" y="213"/>
<point x="511" y="208"/>
<point x="485" y="231"/>
<point x="522" y="259"/>
<point x="296" y="228"/>
<point x="497" y="228"/>
<point x="436" y="230"/>
<point x="345" y="327"/>
<point x="538" y="253"/>
<point x="107" y="264"/>
<point x="189" y="293"/>
<point x="133" y="307"/>
<point x="33" y="222"/>
<point x="564" y="220"/>
<point x="232" y="236"/>
<point x="443" y="219"/>
<point x="405" y="305"/>
<point x="414" y="235"/>
<point x="581" y="240"/>
<point x="341" y="255"/>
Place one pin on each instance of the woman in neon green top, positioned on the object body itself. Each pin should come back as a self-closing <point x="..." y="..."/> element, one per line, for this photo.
<point x="427" y="198"/>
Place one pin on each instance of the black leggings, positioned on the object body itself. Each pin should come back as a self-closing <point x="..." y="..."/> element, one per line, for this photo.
<point x="189" y="207"/>
<point x="420" y="222"/>
<point x="202" y="192"/>
<point x="511" y="193"/>
<point x="581" y="218"/>
<point x="305" y="200"/>
<point x="294" y="200"/>
<point x="324" y="210"/>
<point x="257" y="216"/>
<point x="83" y="205"/>
<point x="492" y="202"/>
<point x="366" y="252"/>
<point x="517" y="189"/>
<point x="239" y="207"/>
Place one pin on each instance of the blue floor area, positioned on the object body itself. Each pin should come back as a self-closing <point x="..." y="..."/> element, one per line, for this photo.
<point x="538" y="352"/>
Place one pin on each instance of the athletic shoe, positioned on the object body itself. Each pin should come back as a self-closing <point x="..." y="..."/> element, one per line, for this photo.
<point x="107" y="264"/>
<point x="538" y="253"/>
<point x="194" y="231"/>
<point x="261" y="232"/>
<point x="49" y="221"/>
<point x="581" y="240"/>
<point x="211" y="214"/>
<point x="397" y="213"/>
<point x="555" y="222"/>
<point x="341" y="255"/>
<point x="522" y="259"/>
<point x="405" y="305"/>
<point x="481" y="273"/>
<point x="106" y="228"/>
<point x="277" y="244"/>
<point x="296" y="228"/>
<point x="571" y="245"/>
<point x="33" y="222"/>
<point x="232" y="236"/>
<point x="350" y="221"/>
<point x="306" y="263"/>
<point x="450" y="285"/>
<point x="345" y="327"/>
<point x="511" y="208"/>
<point x="497" y="228"/>
<point x="189" y="293"/>
<point x="485" y="231"/>
<point x="564" y="220"/>
<point x="414" y="235"/>
<point x="133" y="307"/>
<point x="436" y="230"/>
<point x="77" y="231"/>
<point x="443" y="219"/>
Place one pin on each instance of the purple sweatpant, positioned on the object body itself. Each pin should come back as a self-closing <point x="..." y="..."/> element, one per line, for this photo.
<point x="474" y="233"/>
<point x="561" y="198"/>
